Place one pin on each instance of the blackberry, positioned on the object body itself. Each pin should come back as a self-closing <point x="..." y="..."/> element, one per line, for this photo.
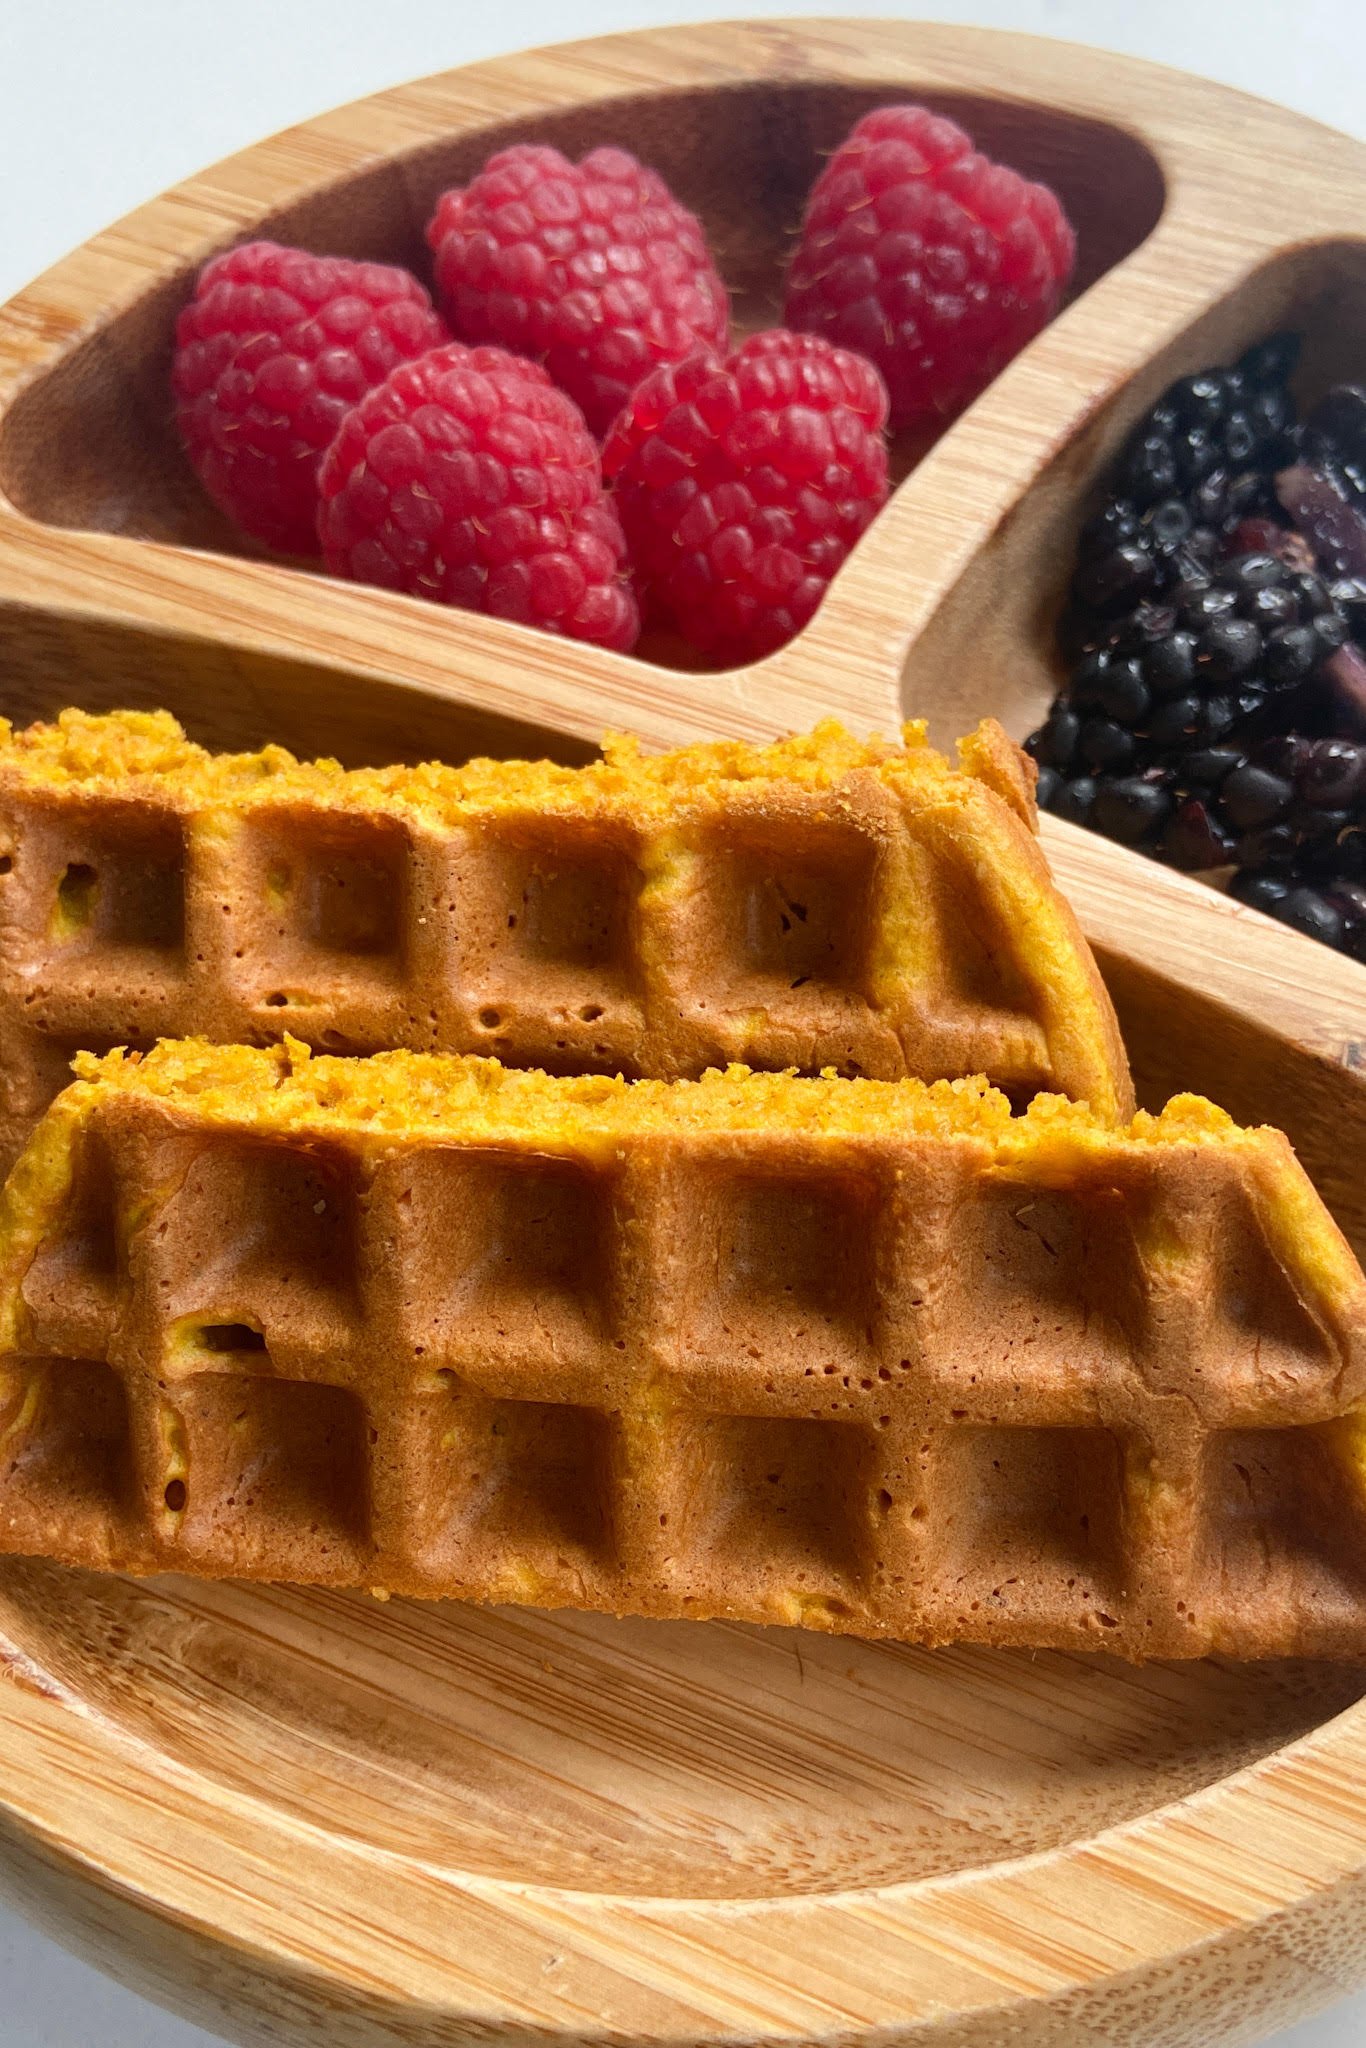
<point x="1193" y="673"/>
<point x="1262" y="892"/>
<point x="1349" y="901"/>
<point x="1312" y="913"/>
<point x="1129" y="808"/>
<point x="1194" y="838"/>
<point x="1074" y="800"/>
<point x="1103" y="743"/>
<point x="1215" y="713"/>
<point x="1335" y="916"/>
<point x="1331" y="773"/>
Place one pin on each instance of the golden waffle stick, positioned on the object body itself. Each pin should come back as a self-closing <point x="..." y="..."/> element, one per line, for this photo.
<point x="820" y="902"/>
<point x="866" y="1356"/>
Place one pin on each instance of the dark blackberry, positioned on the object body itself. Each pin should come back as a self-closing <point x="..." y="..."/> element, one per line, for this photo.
<point x="1148" y="470"/>
<point x="1199" y="401"/>
<point x="1335" y="914"/>
<point x="1055" y="743"/>
<point x="1168" y="525"/>
<point x="1112" y="582"/>
<point x="1239" y="438"/>
<point x="1104" y="744"/>
<point x="1121" y="692"/>
<point x="1331" y="774"/>
<point x="1225" y="654"/>
<point x="1269" y="413"/>
<point x="1291" y="655"/>
<point x="1283" y="753"/>
<point x="1316" y="825"/>
<point x="1345" y="676"/>
<point x="1273" y="847"/>
<point x="1348" y="899"/>
<point x="1349" y="852"/>
<point x="1270" y="608"/>
<point x="1209" y="501"/>
<point x="1325" y="510"/>
<point x="1199" y="601"/>
<point x="1310" y="912"/>
<point x="1073" y="799"/>
<point x="1118" y="521"/>
<point x="1129" y="808"/>
<point x="1330" y="632"/>
<point x="1207" y="766"/>
<point x="1252" y="797"/>
<point x="1216" y="708"/>
<point x="1229" y="649"/>
<point x="1169" y="664"/>
<point x="1339" y="420"/>
<point x="1262" y="892"/>
<point x="1150" y="622"/>
<point x="1194" y="839"/>
<point x="1175" y="726"/>
<point x="1268" y="362"/>
<point x="1349" y="596"/>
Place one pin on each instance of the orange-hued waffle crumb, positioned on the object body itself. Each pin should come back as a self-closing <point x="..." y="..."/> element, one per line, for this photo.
<point x="824" y="901"/>
<point x="870" y="1356"/>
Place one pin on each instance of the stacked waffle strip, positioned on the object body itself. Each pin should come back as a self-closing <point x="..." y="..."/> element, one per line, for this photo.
<point x="867" y="1356"/>
<point x="821" y="902"/>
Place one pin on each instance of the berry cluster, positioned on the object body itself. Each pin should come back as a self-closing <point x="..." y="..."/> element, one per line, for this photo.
<point x="1215" y="712"/>
<point x="327" y="408"/>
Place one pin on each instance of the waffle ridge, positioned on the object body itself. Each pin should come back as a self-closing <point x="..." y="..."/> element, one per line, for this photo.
<point x="823" y="901"/>
<point x="876" y="1357"/>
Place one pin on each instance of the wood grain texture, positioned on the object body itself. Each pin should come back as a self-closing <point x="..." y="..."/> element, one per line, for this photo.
<point x="308" y="1818"/>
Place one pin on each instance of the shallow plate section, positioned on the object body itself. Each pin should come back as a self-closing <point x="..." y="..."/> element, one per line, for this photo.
<point x="993" y="638"/>
<point x="644" y="1758"/>
<point x="91" y="444"/>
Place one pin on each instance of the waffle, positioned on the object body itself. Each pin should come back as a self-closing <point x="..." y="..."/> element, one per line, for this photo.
<point x="820" y="902"/>
<point x="866" y="1356"/>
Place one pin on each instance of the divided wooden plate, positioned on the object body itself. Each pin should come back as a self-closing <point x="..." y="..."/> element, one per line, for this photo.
<point x="304" y="1817"/>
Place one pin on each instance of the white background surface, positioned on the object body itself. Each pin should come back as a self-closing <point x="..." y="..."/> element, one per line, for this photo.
<point x="105" y="102"/>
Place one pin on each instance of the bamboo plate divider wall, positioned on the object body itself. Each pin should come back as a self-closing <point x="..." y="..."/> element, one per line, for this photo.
<point x="309" y="1818"/>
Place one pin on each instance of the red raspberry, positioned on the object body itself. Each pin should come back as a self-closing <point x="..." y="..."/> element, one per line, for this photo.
<point x="593" y="269"/>
<point x="468" y="478"/>
<point x="272" y="351"/>
<point x="934" y="262"/>
<point x="743" y="485"/>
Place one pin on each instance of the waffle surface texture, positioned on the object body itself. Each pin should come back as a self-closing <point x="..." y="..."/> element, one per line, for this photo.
<point x="819" y="902"/>
<point x="866" y="1356"/>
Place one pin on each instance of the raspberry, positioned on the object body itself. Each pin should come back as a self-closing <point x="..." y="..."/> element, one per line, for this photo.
<point x="593" y="269"/>
<point x="272" y="351"/>
<point x="743" y="485"/>
<point x="468" y="478"/>
<point x="934" y="262"/>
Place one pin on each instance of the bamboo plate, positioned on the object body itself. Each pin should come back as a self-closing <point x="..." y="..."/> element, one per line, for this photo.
<point x="305" y="1817"/>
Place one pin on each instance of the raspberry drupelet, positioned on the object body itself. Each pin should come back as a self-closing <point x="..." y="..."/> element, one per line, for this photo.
<point x="743" y="484"/>
<point x="593" y="269"/>
<point x="466" y="477"/>
<point x="272" y="351"/>
<point x="928" y="258"/>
